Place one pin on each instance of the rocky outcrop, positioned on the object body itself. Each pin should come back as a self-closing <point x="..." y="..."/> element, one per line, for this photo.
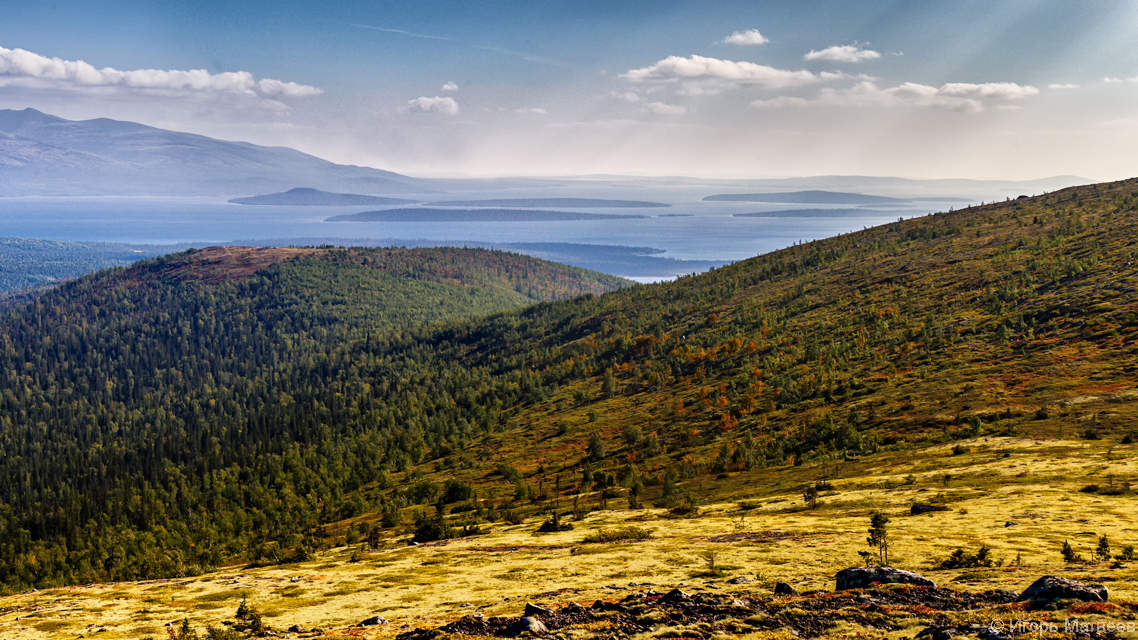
<point x="864" y="577"/>
<point x="527" y="624"/>
<point x="1050" y="588"/>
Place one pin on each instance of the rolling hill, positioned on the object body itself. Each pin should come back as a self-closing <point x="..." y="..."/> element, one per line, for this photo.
<point x="41" y="154"/>
<point x="261" y="405"/>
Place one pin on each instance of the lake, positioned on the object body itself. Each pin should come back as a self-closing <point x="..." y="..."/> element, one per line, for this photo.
<point x="693" y="230"/>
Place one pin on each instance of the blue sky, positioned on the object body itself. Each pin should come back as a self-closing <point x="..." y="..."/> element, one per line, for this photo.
<point x="921" y="88"/>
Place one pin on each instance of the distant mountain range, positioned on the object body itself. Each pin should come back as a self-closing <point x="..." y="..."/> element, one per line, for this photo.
<point x="804" y="197"/>
<point x="45" y="155"/>
<point x="41" y="154"/>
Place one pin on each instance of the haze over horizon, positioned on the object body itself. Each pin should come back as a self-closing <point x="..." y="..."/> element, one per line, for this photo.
<point x="1010" y="91"/>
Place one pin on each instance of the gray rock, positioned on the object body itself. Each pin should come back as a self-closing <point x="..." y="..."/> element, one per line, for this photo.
<point x="528" y="624"/>
<point x="1055" y="588"/>
<point x="784" y="589"/>
<point x="740" y="580"/>
<point x="675" y="595"/>
<point x="863" y="577"/>
<point x="372" y="621"/>
<point x="534" y="610"/>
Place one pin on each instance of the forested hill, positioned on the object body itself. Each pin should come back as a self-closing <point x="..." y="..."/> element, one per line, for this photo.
<point x="163" y="417"/>
<point x="161" y="424"/>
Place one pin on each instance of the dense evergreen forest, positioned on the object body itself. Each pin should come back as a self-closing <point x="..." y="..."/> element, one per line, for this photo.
<point x="224" y="405"/>
<point x="158" y="419"/>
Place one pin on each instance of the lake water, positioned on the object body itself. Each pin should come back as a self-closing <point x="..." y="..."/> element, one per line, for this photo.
<point x="687" y="230"/>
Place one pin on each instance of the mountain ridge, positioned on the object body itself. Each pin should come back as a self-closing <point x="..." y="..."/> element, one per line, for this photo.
<point x="102" y="156"/>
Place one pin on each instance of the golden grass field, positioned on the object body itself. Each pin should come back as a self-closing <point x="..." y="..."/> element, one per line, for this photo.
<point x="771" y="537"/>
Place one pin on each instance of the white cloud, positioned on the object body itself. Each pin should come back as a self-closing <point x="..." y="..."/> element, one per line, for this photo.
<point x="1116" y="79"/>
<point x="532" y="110"/>
<point x="1062" y="85"/>
<point x="998" y="90"/>
<point x="665" y="109"/>
<point x="842" y="53"/>
<point x="626" y="96"/>
<point x="436" y="104"/>
<point x="780" y="102"/>
<point x="21" y="64"/>
<point x="449" y="86"/>
<point x="953" y="96"/>
<point x="746" y="38"/>
<point x="696" y="67"/>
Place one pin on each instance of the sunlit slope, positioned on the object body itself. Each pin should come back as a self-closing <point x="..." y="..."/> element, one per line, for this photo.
<point x="1015" y="317"/>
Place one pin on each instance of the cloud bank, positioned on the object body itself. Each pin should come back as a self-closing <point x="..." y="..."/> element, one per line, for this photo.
<point x="696" y="67"/>
<point x="24" y="65"/>
<point x="953" y="96"/>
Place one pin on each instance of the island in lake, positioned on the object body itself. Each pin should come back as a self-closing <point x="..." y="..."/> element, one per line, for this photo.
<point x="426" y="214"/>
<point x="305" y="197"/>
<point x="578" y="203"/>
<point x="804" y="197"/>
<point x="821" y="213"/>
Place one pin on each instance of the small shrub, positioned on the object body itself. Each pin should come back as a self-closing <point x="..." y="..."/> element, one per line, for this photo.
<point x="960" y="559"/>
<point x="618" y="534"/>
<point x="553" y="524"/>
<point x="1069" y="555"/>
<point x="1127" y="553"/>
<point x="1102" y="551"/>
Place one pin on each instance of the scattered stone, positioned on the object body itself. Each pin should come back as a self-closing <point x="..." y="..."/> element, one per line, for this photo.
<point x="675" y="596"/>
<point x="296" y="628"/>
<point x="862" y="577"/>
<point x="534" y="610"/>
<point x="944" y="633"/>
<point x="1050" y="588"/>
<point x="740" y="580"/>
<point x="920" y="507"/>
<point x="601" y="605"/>
<point x="784" y="589"/>
<point x="1010" y="523"/>
<point x="528" y="624"/>
<point x="372" y="621"/>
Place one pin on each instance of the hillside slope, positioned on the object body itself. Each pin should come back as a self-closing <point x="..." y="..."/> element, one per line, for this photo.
<point x="186" y="406"/>
<point x="1018" y="317"/>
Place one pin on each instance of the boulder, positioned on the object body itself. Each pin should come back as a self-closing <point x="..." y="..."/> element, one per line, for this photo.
<point x="1050" y="588"/>
<point x="740" y="580"/>
<point x="372" y="621"/>
<point x="862" y="577"/>
<point x="527" y="624"/>
<point x="534" y="610"/>
<point x="784" y="589"/>
<point x="920" y="507"/>
<point x="675" y="596"/>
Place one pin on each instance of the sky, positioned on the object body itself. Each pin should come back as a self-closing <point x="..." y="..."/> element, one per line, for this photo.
<point x="912" y="88"/>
